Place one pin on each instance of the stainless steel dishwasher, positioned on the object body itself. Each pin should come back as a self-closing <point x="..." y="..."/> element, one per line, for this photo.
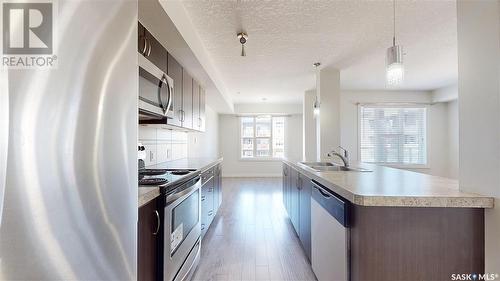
<point x="329" y="234"/>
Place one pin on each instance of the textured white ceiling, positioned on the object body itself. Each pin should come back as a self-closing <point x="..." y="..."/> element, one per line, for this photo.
<point x="287" y="37"/>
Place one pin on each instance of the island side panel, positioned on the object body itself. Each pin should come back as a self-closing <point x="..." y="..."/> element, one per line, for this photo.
<point x="397" y="243"/>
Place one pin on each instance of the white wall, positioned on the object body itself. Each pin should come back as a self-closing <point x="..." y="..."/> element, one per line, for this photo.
<point x="453" y="139"/>
<point x="229" y="146"/>
<point x="205" y="144"/>
<point x="479" y="111"/>
<point x="328" y="126"/>
<point x="309" y="127"/>
<point x="437" y="130"/>
<point x="270" y="108"/>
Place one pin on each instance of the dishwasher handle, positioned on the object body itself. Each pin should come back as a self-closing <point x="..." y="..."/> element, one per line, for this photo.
<point x="335" y="205"/>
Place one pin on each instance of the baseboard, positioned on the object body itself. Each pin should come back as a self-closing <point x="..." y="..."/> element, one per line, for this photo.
<point x="251" y="175"/>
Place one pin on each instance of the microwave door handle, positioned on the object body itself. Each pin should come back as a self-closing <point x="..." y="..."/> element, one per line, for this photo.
<point x="165" y="104"/>
<point x="170" y="95"/>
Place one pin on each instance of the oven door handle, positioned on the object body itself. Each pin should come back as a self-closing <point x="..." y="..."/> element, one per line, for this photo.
<point x="184" y="193"/>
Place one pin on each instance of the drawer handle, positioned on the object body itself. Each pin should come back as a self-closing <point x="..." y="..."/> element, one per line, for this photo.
<point x="157" y="223"/>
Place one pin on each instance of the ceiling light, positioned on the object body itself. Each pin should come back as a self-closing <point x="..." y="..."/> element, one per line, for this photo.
<point x="394" y="58"/>
<point x="242" y="36"/>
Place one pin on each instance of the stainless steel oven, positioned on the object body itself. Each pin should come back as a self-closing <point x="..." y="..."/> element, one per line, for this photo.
<point x="182" y="221"/>
<point x="156" y="91"/>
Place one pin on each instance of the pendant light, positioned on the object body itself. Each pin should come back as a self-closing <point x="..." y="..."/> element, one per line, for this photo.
<point x="316" y="105"/>
<point x="394" y="58"/>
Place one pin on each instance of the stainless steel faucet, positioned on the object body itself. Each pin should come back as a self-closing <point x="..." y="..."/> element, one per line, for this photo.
<point x="345" y="157"/>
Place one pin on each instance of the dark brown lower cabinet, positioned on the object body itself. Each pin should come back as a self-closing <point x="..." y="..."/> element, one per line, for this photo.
<point x="305" y="214"/>
<point x="148" y="242"/>
<point x="211" y="196"/>
<point x="297" y="202"/>
<point x="404" y="243"/>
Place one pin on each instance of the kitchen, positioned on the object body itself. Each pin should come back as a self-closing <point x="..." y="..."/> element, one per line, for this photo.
<point x="252" y="140"/>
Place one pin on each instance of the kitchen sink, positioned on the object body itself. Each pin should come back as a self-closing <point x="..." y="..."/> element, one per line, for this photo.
<point x="338" y="168"/>
<point x="330" y="167"/>
<point x="318" y="164"/>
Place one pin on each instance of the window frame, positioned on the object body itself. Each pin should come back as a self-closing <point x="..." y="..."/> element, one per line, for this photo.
<point x="256" y="158"/>
<point x="427" y="133"/>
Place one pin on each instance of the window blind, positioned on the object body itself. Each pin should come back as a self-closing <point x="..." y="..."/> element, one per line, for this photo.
<point x="393" y="135"/>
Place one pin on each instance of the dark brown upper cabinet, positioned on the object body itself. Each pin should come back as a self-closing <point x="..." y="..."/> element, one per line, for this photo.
<point x="151" y="48"/>
<point x="189" y="97"/>
<point x="175" y="72"/>
<point x="187" y="100"/>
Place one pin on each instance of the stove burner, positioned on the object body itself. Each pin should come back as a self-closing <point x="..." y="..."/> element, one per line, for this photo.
<point x="152" y="172"/>
<point x="180" y="172"/>
<point x="152" y="181"/>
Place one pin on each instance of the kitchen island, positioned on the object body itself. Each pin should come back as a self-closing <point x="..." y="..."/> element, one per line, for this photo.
<point x="400" y="225"/>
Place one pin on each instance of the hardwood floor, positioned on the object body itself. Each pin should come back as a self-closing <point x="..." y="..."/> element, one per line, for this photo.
<point x="251" y="237"/>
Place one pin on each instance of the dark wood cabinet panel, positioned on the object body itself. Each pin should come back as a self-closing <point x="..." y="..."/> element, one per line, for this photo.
<point x="152" y="49"/>
<point x="211" y="197"/>
<point x="297" y="201"/>
<point x="175" y="72"/>
<point x="305" y="213"/>
<point x="148" y="242"/>
<point x="196" y="105"/>
<point x="415" y="243"/>
<point x="187" y="100"/>
<point x="294" y="199"/>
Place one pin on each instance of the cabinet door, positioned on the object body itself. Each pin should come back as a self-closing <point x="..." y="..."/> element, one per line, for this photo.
<point x="202" y="110"/>
<point x="196" y="105"/>
<point x="148" y="242"/>
<point x="284" y="187"/>
<point x="204" y="211"/>
<point x="207" y="205"/>
<point x="219" y="184"/>
<point x="175" y="72"/>
<point x="305" y="214"/>
<point x="294" y="199"/>
<point x="155" y="52"/>
<point x="187" y="100"/>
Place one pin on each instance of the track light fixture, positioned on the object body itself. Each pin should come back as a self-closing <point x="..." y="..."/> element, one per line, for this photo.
<point x="242" y="36"/>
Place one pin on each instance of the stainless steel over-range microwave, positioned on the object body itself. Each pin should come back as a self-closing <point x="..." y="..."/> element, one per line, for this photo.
<point x="156" y="91"/>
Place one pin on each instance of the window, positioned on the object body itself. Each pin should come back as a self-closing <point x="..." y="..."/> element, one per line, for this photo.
<point x="393" y="135"/>
<point x="262" y="136"/>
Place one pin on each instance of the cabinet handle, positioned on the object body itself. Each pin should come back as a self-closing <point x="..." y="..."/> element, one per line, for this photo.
<point x="157" y="223"/>
<point x="145" y="45"/>
<point x="149" y="48"/>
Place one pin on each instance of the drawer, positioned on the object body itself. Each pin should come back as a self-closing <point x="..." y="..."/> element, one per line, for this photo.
<point x="207" y="175"/>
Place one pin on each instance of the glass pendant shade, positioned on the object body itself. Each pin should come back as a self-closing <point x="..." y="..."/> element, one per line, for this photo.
<point x="394" y="66"/>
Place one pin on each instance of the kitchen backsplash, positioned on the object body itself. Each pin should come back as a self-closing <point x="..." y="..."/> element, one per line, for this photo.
<point x="162" y="145"/>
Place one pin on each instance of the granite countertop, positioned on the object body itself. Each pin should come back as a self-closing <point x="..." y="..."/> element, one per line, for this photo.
<point x="392" y="187"/>
<point x="148" y="193"/>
